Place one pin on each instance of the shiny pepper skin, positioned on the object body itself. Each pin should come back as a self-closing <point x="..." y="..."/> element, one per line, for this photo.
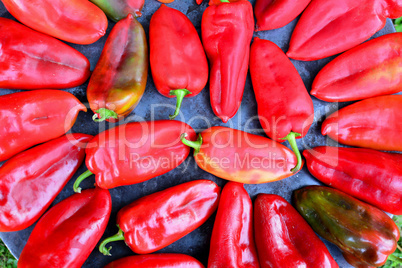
<point x="167" y="260"/>
<point x="119" y="9"/>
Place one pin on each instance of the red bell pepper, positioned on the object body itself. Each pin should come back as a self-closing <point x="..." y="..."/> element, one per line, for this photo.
<point x="119" y="9"/>
<point x="120" y="76"/>
<point x="283" y="237"/>
<point x="33" y="117"/>
<point x="163" y="260"/>
<point x="285" y="109"/>
<point x="157" y="220"/>
<point x="232" y="241"/>
<point x="239" y="156"/>
<point x="135" y="152"/>
<point x="32" y="60"/>
<point x="377" y="72"/>
<point x="74" y="21"/>
<point x="329" y="27"/>
<point x="178" y="62"/>
<point x="373" y="123"/>
<point x="272" y="14"/>
<point x="227" y="29"/>
<point x="65" y="236"/>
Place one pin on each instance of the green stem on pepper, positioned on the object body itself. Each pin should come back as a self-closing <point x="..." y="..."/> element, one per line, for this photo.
<point x="180" y="94"/>
<point x="103" y="114"/>
<point x="82" y="177"/>
<point x="196" y="145"/>
<point x="117" y="237"/>
<point x="291" y="138"/>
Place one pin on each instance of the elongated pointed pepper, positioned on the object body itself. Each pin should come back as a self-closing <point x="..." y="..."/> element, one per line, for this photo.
<point x="232" y="241"/>
<point x="163" y="260"/>
<point x="285" y="109"/>
<point x="178" y="62"/>
<point x="33" y="117"/>
<point x="66" y="235"/>
<point x="135" y="152"/>
<point x="239" y="156"/>
<point x="329" y="27"/>
<point x="284" y="239"/>
<point x="120" y="76"/>
<point x="157" y="220"/>
<point x="119" y="9"/>
<point x="364" y="234"/>
<point x="227" y="29"/>
<point x="374" y="123"/>
<point x="32" y="60"/>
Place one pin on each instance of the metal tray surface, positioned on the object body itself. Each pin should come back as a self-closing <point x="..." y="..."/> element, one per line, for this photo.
<point x="196" y="112"/>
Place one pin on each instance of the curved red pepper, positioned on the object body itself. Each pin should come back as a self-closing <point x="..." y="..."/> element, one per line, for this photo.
<point x="120" y="76"/>
<point x="75" y="21"/>
<point x="227" y="30"/>
<point x="30" y="118"/>
<point x="373" y="123"/>
<point x="329" y="27"/>
<point x="178" y="62"/>
<point x="239" y="156"/>
<point x="284" y="239"/>
<point x="232" y="241"/>
<point x="119" y="9"/>
<point x="135" y="152"/>
<point x="285" y="109"/>
<point x="65" y="236"/>
<point x="167" y="260"/>
<point x="377" y="72"/>
<point x="32" y="60"/>
<point x="157" y="220"/>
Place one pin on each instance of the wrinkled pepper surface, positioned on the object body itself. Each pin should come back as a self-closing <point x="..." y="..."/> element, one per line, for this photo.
<point x="135" y="152"/>
<point x="364" y="234"/>
<point x="178" y="62"/>
<point x="65" y="236"/>
<point x="227" y="29"/>
<point x="232" y="242"/>
<point x="120" y="76"/>
<point x="32" y="117"/>
<point x="372" y="123"/>
<point x="239" y="156"/>
<point x="285" y="109"/>
<point x="157" y="220"/>
<point x="284" y="239"/>
<point x="32" y="60"/>
<point x="119" y="9"/>
<point x="166" y="260"/>
<point x="74" y="21"/>
<point x="329" y="27"/>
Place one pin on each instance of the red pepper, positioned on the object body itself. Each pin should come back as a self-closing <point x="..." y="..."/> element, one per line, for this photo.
<point x="329" y="27"/>
<point x="178" y="62"/>
<point x="271" y="14"/>
<point x="32" y="60"/>
<point x="68" y="232"/>
<point x="120" y="76"/>
<point x="33" y="117"/>
<point x="227" y="29"/>
<point x="157" y="220"/>
<point x="232" y="242"/>
<point x="377" y="72"/>
<point x="373" y="123"/>
<point x="135" y="152"/>
<point x="74" y="21"/>
<point x="284" y="239"/>
<point x="238" y="156"/>
<point x="285" y="109"/>
<point x="119" y="9"/>
<point x="167" y="260"/>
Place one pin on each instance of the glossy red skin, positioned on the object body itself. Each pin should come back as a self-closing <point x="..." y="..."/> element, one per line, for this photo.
<point x="32" y="179"/>
<point x="372" y="123"/>
<point x="32" y="60"/>
<point x="68" y="232"/>
<point x="284" y="239"/>
<point x="368" y="70"/>
<point x="177" y="57"/>
<point x="167" y="260"/>
<point x="232" y="242"/>
<point x="119" y="9"/>
<point x="74" y="21"/>
<point x="30" y="118"/>
<point x="272" y="14"/>
<point x="136" y="152"/>
<point x="157" y="220"/>
<point x="284" y="104"/>
<point x="227" y="30"/>
<point x="369" y="175"/>
<point x="329" y="27"/>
